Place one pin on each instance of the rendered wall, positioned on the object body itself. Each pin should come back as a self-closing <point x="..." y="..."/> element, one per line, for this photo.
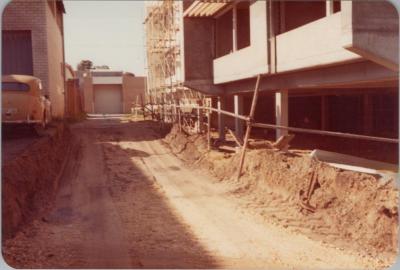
<point x="56" y="63"/>
<point x="371" y="29"/>
<point x="314" y="44"/>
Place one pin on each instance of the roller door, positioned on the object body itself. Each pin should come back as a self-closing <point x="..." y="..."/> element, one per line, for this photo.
<point x="108" y="99"/>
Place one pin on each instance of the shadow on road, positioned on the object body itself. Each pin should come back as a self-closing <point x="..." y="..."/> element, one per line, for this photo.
<point x="158" y="236"/>
<point x="109" y="211"/>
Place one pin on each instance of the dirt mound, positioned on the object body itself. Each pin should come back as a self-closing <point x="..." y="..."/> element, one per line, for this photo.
<point x="30" y="179"/>
<point x="351" y="210"/>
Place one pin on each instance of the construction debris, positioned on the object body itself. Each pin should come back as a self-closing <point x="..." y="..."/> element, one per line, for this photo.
<point x="282" y="144"/>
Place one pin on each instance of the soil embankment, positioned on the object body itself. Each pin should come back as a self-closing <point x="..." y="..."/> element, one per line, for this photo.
<point x="351" y="210"/>
<point x="30" y="176"/>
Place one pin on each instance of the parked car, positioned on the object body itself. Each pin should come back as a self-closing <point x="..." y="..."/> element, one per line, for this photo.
<point x="23" y="101"/>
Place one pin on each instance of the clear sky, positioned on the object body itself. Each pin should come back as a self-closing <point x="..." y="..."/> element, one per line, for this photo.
<point x="105" y="32"/>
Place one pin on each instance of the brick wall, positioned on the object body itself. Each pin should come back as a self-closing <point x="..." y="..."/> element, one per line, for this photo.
<point x="36" y="16"/>
<point x="131" y="88"/>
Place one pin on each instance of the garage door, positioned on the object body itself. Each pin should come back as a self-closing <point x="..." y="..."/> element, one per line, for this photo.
<point x="108" y="99"/>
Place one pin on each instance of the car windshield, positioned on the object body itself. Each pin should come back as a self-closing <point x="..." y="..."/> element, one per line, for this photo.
<point x="14" y="86"/>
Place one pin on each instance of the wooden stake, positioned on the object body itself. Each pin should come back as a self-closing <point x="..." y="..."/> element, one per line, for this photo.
<point x="135" y="106"/>
<point x="198" y="120"/>
<point x="144" y="113"/>
<point x="209" y="130"/>
<point x="179" y="120"/>
<point x="248" y="129"/>
<point x="236" y="139"/>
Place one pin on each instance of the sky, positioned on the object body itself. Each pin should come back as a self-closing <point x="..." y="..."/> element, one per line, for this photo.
<point x="105" y="32"/>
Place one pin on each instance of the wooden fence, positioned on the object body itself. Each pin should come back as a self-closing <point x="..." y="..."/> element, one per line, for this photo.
<point x="74" y="105"/>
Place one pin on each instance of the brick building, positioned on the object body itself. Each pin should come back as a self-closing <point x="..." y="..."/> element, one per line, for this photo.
<point x="33" y="44"/>
<point x="110" y="92"/>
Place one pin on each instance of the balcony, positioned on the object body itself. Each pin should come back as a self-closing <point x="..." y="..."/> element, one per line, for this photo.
<point x="318" y="43"/>
<point x="245" y="63"/>
<point x="248" y="61"/>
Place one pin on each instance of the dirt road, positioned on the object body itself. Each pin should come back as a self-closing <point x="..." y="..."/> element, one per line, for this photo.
<point x="126" y="201"/>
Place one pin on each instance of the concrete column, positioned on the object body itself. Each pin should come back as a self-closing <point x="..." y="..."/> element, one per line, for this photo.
<point x="238" y="105"/>
<point x="234" y="29"/>
<point x="221" y="105"/>
<point x="329" y="7"/>
<point x="283" y="16"/>
<point x="281" y="111"/>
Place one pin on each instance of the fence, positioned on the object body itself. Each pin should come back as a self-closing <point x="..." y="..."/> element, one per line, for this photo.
<point x="173" y="112"/>
<point x="74" y="100"/>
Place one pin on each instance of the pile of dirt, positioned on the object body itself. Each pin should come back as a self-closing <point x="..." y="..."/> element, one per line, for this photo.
<point x="189" y="148"/>
<point x="30" y="179"/>
<point x="352" y="210"/>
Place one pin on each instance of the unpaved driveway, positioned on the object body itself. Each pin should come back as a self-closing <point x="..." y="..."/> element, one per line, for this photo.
<point x="126" y="201"/>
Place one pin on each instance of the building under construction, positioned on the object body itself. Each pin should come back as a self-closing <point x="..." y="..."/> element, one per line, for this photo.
<point x="330" y="69"/>
<point x="164" y="43"/>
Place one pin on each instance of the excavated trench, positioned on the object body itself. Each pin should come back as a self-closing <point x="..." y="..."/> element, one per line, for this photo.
<point x="31" y="167"/>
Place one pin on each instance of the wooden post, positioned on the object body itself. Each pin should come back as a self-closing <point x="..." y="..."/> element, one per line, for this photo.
<point x="175" y="111"/>
<point x="209" y="130"/>
<point x="136" y="105"/>
<point x="198" y="119"/>
<point x="152" y="112"/>
<point x="179" y="120"/>
<point x="248" y="129"/>
<point x="221" y="118"/>
<point x="144" y="113"/>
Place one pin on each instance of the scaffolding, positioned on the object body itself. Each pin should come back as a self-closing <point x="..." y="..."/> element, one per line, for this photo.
<point x="163" y="28"/>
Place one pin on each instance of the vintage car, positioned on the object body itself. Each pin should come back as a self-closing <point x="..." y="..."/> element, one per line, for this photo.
<point x="23" y="101"/>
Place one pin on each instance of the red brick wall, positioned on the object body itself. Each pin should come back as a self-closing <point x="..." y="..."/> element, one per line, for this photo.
<point x="36" y="16"/>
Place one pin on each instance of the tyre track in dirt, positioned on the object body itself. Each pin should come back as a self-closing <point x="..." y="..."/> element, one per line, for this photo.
<point x="234" y="239"/>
